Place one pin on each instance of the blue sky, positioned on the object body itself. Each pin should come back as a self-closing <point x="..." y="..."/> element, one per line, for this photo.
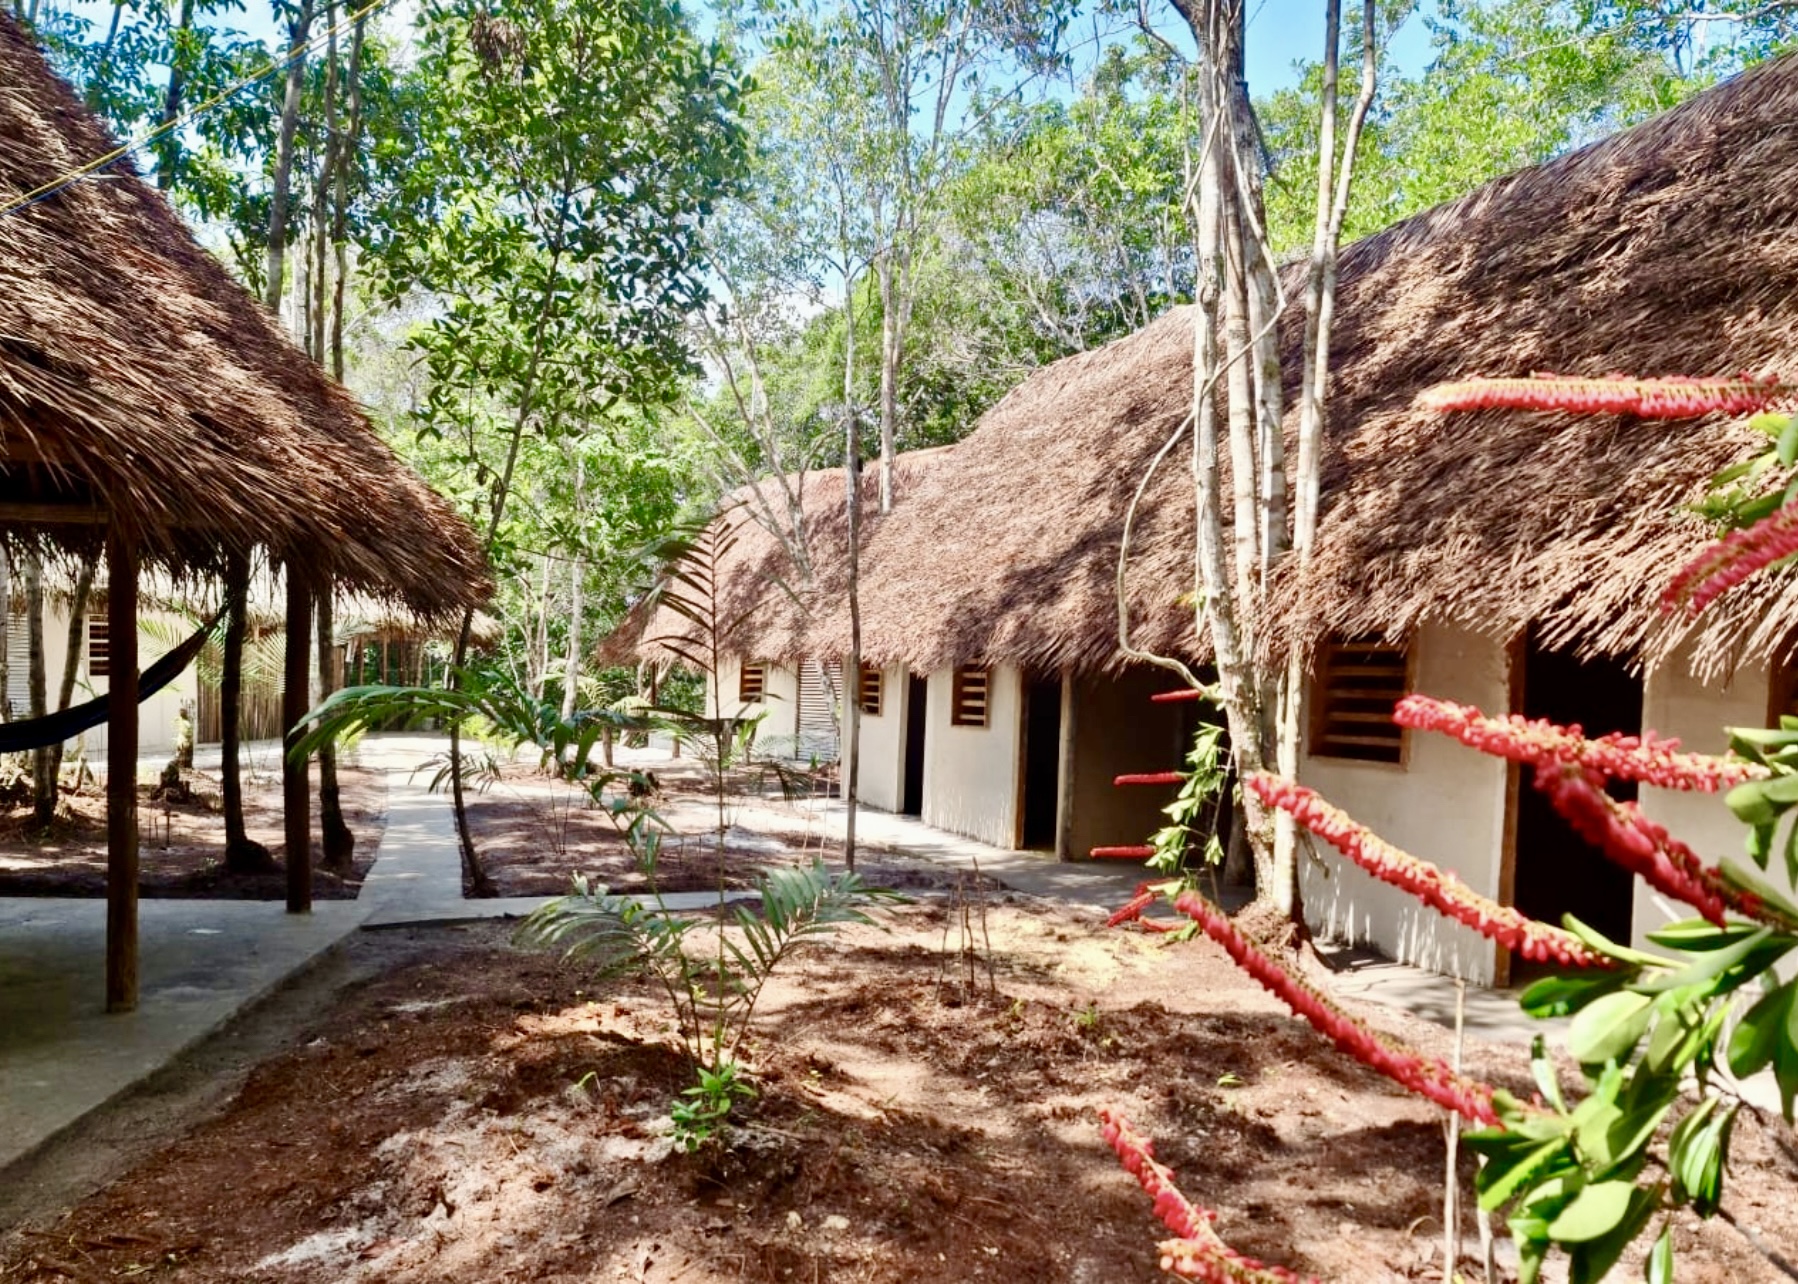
<point x="1281" y="34"/>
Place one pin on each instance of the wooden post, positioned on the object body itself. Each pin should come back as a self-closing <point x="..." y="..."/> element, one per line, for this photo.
<point x="296" y="782"/>
<point x="1068" y="764"/>
<point x="121" y="775"/>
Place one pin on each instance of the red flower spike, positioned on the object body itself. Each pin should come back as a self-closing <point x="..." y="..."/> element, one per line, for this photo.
<point x="1630" y="839"/>
<point x="1646" y="759"/>
<point x="1131" y="910"/>
<point x="1198" y="1253"/>
<point x="1121" y="853"/>
<point x="1175" y="697"/>
<point x="1427" y="1077"/>
<point x="1668" y="398"/>
<point x="1149" y="778"/>
<point x="1436" y="888"/>
<point x="1731" y="560"/>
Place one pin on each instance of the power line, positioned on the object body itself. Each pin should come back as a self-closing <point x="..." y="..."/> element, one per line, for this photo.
<point x="299" y="49"/>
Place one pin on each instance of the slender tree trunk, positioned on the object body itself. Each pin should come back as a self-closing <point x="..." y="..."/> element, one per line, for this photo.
<point x="43" y="786"/>
<point x="301" y="31"/>
<point x="96" y="93"/>
<point x="889" y="375"/>
<point x="850" y="757"/>
<point x="341" y="212"/>
<point x="45" y="809"/>
<point x="571" y="669"/>
<point x="168" y="147"/>
<point x="338" y="842"/>
<point x="243" y="855"/>
<point x="6" y="656"/>
<point x="1333" y="188"/>
<point x="478" y="882"/>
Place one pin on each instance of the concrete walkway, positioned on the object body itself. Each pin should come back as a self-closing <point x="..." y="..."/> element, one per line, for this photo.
<point x="201" y="962"/>
<point x="204" y="961"/>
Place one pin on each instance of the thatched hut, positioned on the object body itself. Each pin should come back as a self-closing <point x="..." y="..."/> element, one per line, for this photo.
<point x="147" y="403"/>
<point x="1511" y="561"/>
<point x="765" y="612"/>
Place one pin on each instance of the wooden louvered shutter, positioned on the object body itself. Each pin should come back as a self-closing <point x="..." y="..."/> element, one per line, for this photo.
<point x="1357" y="684"/>
<point x="968" y="698"/>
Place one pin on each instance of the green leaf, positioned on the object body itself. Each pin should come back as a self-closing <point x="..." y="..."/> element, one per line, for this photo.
<point x="1563" y="995"/>
<point x="1696" y="935"/>
<point x="1591" y="1261"/>
<point x="1543" y="1071"/>
<point x="1609" y="1027"/>
<point x="1499" y="1182"/>
<point x="1787" y="449"/>
<point x="1759" y="1033"/>
<point x="1660" y="1258"/>
<point x="1595" y="1212"/>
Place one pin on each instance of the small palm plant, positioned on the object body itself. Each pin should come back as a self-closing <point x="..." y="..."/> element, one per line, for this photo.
<point x="713" y="968"/>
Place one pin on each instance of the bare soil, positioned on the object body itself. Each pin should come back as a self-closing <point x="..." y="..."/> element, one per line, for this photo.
<point x="474" y="1112"/>
<point x="535" y="832"/>
<point x="182" y="843"/>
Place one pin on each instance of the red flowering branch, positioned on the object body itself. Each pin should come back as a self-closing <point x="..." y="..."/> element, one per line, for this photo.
<point x="1722" y="565"/>
<point x="1627" y="837"/>
<point x="1198" y="1253"/>
<point x="1435" y="887"/>
<point x="1668" y="398"/>
<point x="1646" y="759"/>
<point x="1427" y="1077"/>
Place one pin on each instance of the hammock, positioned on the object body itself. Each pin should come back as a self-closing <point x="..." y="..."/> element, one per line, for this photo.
<point x="54" y="728"/>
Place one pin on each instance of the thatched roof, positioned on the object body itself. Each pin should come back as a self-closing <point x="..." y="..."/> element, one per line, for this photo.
<point x="769" y="602"/>
<point x="1671" y="248"/>
<point x="138" y="380"/>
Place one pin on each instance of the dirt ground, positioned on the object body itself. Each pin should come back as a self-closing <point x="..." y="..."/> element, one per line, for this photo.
<point x="181" y="846"/>
<point x="473" y="1112"/>
<point x="535" y="832"/>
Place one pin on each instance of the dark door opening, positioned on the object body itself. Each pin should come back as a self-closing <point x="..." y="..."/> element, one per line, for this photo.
<point x="1042" y="763"/>
<point x="1556" y="871"/>
<point x="917" y="707"/>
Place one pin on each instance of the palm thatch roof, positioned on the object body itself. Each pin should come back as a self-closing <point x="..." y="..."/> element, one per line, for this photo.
<point x="768" y="605"/>
<point x="1671" y="248"/>
<point x="139" y="383"/>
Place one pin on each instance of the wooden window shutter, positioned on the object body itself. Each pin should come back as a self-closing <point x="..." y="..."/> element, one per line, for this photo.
<point x="752" y="682"/>
<point x="99" y="647"/>
<point x="870" y="688"/>
<point x="1357" y="684"/>
<point x="968" y="698"/>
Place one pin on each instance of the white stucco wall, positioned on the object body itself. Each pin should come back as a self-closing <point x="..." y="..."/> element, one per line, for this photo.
<point x="880" y="775"/>
<point x="1677" y="704"/>
<point x="971" y="773"/>
<point x="1446" y="804"/>
<point x="156" y="716"/>
<point x="780" y="728"/>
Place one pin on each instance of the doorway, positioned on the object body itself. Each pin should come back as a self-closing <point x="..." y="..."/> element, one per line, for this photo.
<point x="917" y="710"/>
<point x="1042" y="764"/>
<point x="1555" y="871"/>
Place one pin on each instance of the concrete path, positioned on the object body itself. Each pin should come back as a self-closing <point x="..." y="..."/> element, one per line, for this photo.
<point x="201" y="962"/>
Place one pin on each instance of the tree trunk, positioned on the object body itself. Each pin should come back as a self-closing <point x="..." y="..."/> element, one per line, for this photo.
<point x="43" y="784"/>
<point x="341" y="212"/>
<point x="243" y="855"/>
<point x="339" y="843"/>
<point x="850" y="755"/>
<point x="168" y="147"/>
<point x="71" y="665"/>
<point x="889" y="376"/>
<point x="290" y="120"/>
<point x="571" y="668"/>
